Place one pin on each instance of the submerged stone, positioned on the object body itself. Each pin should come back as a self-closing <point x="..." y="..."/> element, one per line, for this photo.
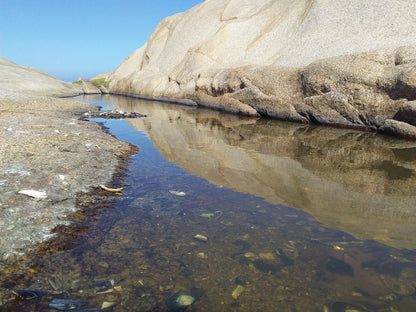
<point x="265" y="266"/>
<point x="179" y="301"/>
<point x="337" y="266"/>
<point x="66" y="304"/>
<point x="201" y="237"/>
<point x="237" y="291"/>
<point x="28" y="294"/>
<point x="242" y="244"/>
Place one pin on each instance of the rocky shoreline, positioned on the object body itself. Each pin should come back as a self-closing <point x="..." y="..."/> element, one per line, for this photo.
<point x="48" y="147"/>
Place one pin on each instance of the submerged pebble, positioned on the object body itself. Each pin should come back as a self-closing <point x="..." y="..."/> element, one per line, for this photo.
<point x="179" y="302"/>
<point x="66" y="304"/>
<point x="201" y="237"/>
<point x="202" y="255"/>
<point x="237" y="291"/>
<point x="207" y="215"/>
<point x="107" y="304"/>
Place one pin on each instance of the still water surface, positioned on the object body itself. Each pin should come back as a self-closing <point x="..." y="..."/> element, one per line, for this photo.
<point x="245" y="215"/>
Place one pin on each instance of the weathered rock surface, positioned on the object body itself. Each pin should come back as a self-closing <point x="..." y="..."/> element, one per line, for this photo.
<point x="20" y="78"/>
<point x="342" y="63"/>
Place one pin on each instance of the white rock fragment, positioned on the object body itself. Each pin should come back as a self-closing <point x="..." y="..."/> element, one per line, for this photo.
<point x="177" y="193"/>
<point x="62" y="177"/>
<point x="34" y="194"/>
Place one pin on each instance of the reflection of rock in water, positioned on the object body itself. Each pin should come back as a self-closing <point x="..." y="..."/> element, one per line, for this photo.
<point x="357" y="182"/>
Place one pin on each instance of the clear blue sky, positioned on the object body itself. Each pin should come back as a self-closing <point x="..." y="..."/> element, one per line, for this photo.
<point x="72" y="38"/>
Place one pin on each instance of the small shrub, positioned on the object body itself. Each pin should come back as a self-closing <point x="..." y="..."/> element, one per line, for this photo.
<point x="101" y="82"/>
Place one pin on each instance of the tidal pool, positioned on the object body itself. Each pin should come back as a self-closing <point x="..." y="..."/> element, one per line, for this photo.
<point x="243" y="214"/>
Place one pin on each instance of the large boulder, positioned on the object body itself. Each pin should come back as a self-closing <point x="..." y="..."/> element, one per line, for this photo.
<point x="345" y="63"/>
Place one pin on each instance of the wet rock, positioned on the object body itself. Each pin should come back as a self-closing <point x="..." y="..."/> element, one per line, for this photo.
<point x="104" y="287"/>
<point x="181" y="301"/>
<point x="28" y="294"/>
<point x="337" y="266"/>
<point x="66" y="304"/>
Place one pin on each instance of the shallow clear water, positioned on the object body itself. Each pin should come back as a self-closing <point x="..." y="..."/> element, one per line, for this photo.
<point x="258" y="215"/>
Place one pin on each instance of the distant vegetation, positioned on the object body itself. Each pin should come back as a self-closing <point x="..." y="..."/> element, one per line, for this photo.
<point x="97" y="82"/>
<point x="101" y="82"/>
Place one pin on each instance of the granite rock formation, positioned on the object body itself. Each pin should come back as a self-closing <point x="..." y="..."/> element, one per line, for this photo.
<point x="18" y="78"/>
<point x="341" y="63"/>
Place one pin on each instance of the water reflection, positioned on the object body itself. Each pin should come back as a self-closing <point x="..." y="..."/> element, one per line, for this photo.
<point x="356" y="182"/>
<point x="173" y="233"/>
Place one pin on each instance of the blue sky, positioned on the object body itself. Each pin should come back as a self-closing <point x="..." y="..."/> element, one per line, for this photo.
<point x="72" y="38"/>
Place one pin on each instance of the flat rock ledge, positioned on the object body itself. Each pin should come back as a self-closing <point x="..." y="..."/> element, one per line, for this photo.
<point x="48" y="150"/>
